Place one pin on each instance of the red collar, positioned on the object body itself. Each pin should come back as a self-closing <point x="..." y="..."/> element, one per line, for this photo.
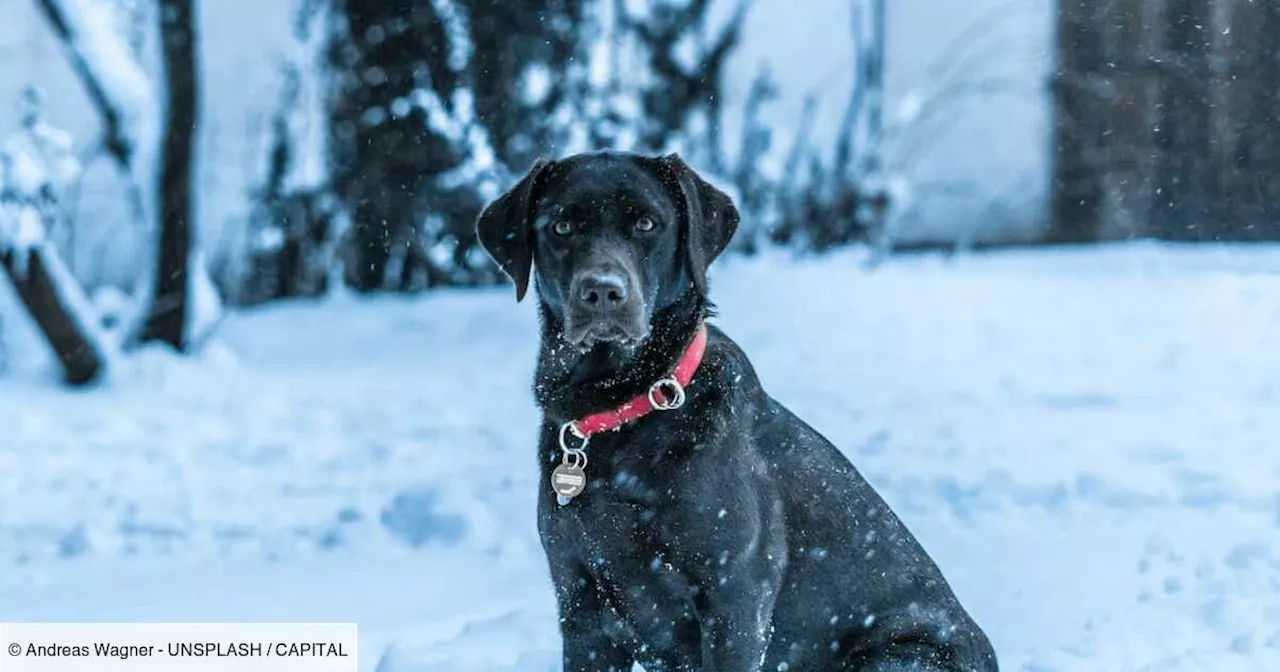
<point x="664" y="395"/>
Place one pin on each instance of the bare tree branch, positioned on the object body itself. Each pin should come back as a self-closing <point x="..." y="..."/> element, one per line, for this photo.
<point x="66" y="19"/>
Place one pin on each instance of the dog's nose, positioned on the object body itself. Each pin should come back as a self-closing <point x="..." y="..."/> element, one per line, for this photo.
<point x="601" y="290"/>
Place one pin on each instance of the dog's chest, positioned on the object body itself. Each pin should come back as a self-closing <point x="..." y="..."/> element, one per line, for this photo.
<point x="597" y="530"/>
<point x="620" y="509"/>
<point x="634" y="467"/>
<point x="614" y="493"/>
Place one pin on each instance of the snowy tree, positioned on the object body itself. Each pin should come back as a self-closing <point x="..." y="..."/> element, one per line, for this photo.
<point x="175" y="300"/>
<point x="517" y="72"/>
<point x="680" y="79"/>
<point x="36" y="167"/>
<point x="433" y="106"/>
<point x="292" y="246"/>
<point x="754" y="189"/>
<point x="401" y="122"/>
<point x="293" y="242"/>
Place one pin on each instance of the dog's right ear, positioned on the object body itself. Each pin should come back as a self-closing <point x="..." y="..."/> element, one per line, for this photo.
<point x="506" y="232"/>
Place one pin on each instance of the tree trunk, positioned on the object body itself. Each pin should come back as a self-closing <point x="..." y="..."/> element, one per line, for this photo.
<point x="56" y="304"/>
<point x="168" y="312"/>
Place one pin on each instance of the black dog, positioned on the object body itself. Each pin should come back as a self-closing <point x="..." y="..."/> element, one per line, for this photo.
<point x="715" y="530"/>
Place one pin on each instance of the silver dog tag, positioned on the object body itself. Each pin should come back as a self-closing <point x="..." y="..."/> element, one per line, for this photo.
<point x="568" y="481"/>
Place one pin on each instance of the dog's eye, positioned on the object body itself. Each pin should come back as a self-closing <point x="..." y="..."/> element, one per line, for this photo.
<point x="563" y="227"/>
<point x="645" y="224"/>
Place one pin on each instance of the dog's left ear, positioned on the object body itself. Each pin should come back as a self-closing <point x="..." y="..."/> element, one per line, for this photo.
<point x="710" y="217"/>
<point x="506" y="232"/>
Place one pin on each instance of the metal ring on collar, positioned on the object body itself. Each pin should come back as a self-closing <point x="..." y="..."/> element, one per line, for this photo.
<point x="565" y="430"/>
<point x="672" y="391"/>
<point x="575" y="459"/>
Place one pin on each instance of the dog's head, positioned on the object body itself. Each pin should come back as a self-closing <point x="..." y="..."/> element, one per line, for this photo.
<point x="610" y="238"/>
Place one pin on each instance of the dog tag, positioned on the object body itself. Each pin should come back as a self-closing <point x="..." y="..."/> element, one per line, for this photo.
<point x="568" y="481"/>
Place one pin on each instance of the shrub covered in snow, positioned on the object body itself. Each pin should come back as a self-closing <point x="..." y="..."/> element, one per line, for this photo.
<point x="37" y="164"/>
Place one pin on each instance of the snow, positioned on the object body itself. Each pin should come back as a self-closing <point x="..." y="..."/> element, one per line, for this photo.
<point x="1083" y="439"/>
<point x="95" y="26"/>
<point x="204" y="307"/>
<point x="21" y="231"/>
<point x="38" y="158"/>
<point x="306" y="125"/>
<point x="37" y="165"/>
<point x="459" y="127"/>
<point x="536" y="84"/>
<point x="457" y="33"/>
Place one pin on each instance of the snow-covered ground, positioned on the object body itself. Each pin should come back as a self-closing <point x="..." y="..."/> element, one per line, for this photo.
<point x="1087" y="441"/>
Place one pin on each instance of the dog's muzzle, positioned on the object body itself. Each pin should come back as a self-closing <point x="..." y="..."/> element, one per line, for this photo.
<point x="604" y="308"/>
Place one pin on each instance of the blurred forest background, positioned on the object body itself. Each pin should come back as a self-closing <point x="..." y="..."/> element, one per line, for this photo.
<point x="164" y="159"/>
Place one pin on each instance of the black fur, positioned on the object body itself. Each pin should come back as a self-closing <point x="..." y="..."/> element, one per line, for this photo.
<point x="726" y="535"/>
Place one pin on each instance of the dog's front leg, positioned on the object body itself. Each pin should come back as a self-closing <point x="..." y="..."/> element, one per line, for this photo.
<point x="588" y="627"/>
<point x="736" y="609"/>
<point x="738" y="567"/>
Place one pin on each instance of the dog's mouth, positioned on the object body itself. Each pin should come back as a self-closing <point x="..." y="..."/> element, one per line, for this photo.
<point x="590" y="334"/>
